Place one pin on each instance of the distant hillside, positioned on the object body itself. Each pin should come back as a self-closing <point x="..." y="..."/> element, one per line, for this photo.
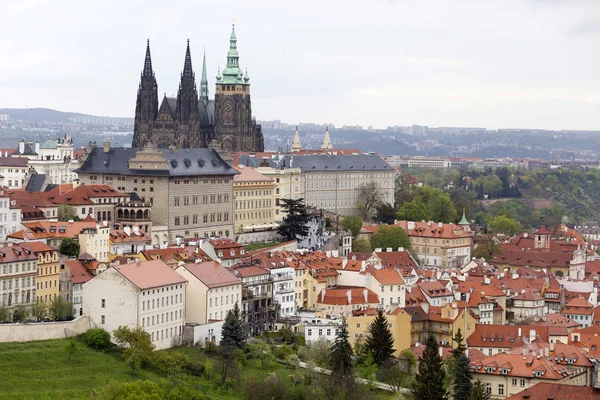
<point x="38" y="114"/>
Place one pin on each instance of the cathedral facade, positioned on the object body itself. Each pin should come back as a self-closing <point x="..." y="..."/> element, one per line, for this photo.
<point x="192" y="119"/>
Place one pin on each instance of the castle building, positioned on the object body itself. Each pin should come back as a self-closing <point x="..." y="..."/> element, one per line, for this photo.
<point x="191" y="120"/>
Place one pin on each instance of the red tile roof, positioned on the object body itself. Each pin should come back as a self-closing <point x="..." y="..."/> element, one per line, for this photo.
<point x="149" y="274"/>
<point x="516" y="365"/>
<point x="546" y="390"/>
<point x="12" y="253"/>
<point x="434" y="230"/>
<point x="245" y="271"/>
<point x="505" y="336"/>
<point x="578" y="306"/>
<point x="434" y="289"/>
<point x="339" y="296"/>
<point x="528" y="295"/>
<point x="212" y="274"/>
<point x="80" y="195"/>
<point x="249" y="174"/>
<point x="79" y="273"/>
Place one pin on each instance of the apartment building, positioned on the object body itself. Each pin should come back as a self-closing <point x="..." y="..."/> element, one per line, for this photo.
<point x="53" y="159"/>
<point x="10" y="216"/>
<point x="254" y="203"/>
<point x="48" y="267"/>
<point x="79" y="276"/>
<point x="147" y="294"/>
<point x="190" y="190"/>
<point x="212" y="291"/>
<point x="18" y="273"/>
<point x="258" y="309"/>
<point x="14" y="171"/>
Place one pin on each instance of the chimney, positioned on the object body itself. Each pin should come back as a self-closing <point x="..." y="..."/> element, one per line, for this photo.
<point x="349" y="294"/>
<point x="388" y="249"/>
<point x="410" y="225"/>
<point x="441" y="350"/>
<point x="323" y="291"/>
<point x="532" y="335"/>
<point x="106" y="146"/>
<point x="552" y="346"/>
<point x="524" y="350"/>
<point x="366" y="294"/>
<point x="440" y="224"/>
<point x="519" y="332"/>
<point x="546" y="351"/>
<point x="22" y="146"/>
<point x="37" y="147"/>
<point x="400" y="248"/>
<point x="127" y="230"/>
<point x="378" y="250"/>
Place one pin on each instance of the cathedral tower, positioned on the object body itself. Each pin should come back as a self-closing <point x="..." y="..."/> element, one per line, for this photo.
<point x="187" y="111"/>
<point x="234" y="127"/>
<point x="146" y="106"/>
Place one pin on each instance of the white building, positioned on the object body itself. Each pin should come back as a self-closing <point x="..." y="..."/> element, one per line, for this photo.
<point x="53" y="158"/>
<point x="14" y="171"/>
<point x="321" y="328"/>
<point x="147" y="294"/>
<point x="10" y="216"/>
<point x="283" y="290"/>
<point x="212" y="291"/>
<point x="79" y="276"/>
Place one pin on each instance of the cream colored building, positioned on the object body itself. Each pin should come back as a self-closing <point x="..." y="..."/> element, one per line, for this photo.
<point x="149" y="295"/>
<point x="95" y="240"/>
<point x="18" y="270"/>
<point x="289" y="184"/>
<point x="334" y="182"/>
<point x="399" y="324"/>
<point x="211" y="292"/>
<point x="254" y="201"/>
<point x="53" y="158"/>
<point x="191" y="190"/>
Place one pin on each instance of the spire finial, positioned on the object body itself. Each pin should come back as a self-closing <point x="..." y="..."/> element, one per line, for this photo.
<point x="148" y="61"/>
<point x="204" y="80"/>
<point x="187" y="65"/>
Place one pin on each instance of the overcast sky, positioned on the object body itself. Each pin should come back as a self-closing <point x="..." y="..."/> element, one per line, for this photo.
<point x="496" y="64"/>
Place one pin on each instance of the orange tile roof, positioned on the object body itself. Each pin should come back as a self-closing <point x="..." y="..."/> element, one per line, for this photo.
<point x="546" y="390"/>
<point x="249" y="174"/>
<point x="578" y="306"/>
<point x="52" y="229"/>
<point x="212" y="274"/>
<point x="13" y="252"/>
<point x="82" y="194"/>
<point x="558" y="353"/>
<point x="245" y="271"/>
<point x="79" y="273"/>
<point x="120" y="236"/>
<point x="528" y="295"/>
<point x="385" y="276"/>
<point x="517" y="365"/>
<point x="149" y="274"/>
<point x="434" y="289"/>
<point x="505" y="336"/>
<point x="434" y="230"/>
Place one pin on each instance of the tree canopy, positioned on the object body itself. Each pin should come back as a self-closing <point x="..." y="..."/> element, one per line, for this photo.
<point x="295" y="221"/>
<point x="389" y="236"/>
<point x="380" y="341"/>
<point x="69" y="247"/>
<point x="340" y="359"/>
<point x="505" y="225"/>
<point x="232" y="332"/>
<point x="351" y="223"/>
<point x="430" y="377"/>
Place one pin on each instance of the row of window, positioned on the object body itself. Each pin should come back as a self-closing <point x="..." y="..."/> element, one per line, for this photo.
<point x="205" y="180"/>
<point x="212" y="217"/>
<point x="165" y="333"/>
<point x="254" y="215"/>
<point x="25" y="267"/>
<point x="252" y="204"/>
<point x="25" y="282"/>
<point x="237" y="298"/>
<point x="309" y="332"/>
<point x="164" y="317"/>
<point x="161" y="303"/>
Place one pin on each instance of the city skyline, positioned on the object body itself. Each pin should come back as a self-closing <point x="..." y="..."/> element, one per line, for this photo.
<point x="465" y="64"/>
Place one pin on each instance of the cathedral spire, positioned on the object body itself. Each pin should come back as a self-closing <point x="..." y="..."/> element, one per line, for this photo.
<point x="296" y="146"/>
<point x="232" y="54"/>
<point x="204" y="81"/>
<point x="148" y="61"/>
<point x="187" y="66"/>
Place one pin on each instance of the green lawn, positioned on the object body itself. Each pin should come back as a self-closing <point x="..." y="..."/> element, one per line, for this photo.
<point x="256" y="246"/>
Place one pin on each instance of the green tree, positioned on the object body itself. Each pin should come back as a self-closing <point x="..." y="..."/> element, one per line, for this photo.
<point x="66" y="212"/>
<point x="390" y="236"/>
<point x="369" y="197"/>
<point x="39" y="310"/>
<point x="232" y="332"/>
<point x="72" y="348"/>
<point x="505" y="225"/>
<point x="414" y="210"/>
<point x="3" y="314"/>
<point x="351" y="223"/>
<point x="380" y="341"/>
<point x="97" y="338"/>
<point x="362" y="246"/>
<point x="478" y="392"/>
<point x="60" y="309"/>
<point x="385" y="213"/>
<point x="430" y="377"/>
<point x="261" y="352"/>
<point x="487" y="248"/>
<point x="340" y="360"/>
<point x="295" y="221"/>
<point x="462" y="377"/>
<point x="172" y="363"/>
<point x="137" y="346"/>
<point x="69" y="247"/>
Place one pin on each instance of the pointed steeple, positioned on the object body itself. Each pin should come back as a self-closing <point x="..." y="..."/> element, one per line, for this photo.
<point x="204" y="81"/>
<point x="326" y="141"/>
<point x="296" y="146"/>
<point x="232" y="74"/>
<point x="148" y="62"/>
<point x="187" y="66"/>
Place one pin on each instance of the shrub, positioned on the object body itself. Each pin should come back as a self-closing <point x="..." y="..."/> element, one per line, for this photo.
<point x="97" y="338"/>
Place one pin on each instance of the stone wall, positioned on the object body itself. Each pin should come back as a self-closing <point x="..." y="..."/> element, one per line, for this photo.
<point x="43" y="330"/>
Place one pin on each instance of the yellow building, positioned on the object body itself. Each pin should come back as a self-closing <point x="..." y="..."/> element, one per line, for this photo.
<point x="48" y="267"/>
<point x="358" y="328"/>
<point x="254" y="201"/>
<point x="441" y="322"/>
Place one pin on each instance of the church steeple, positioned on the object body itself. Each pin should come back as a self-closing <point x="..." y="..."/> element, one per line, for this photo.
<point x="148" y="62"/>
<point x="232" y="73"/>
<point x="187" y="66"/>
<point x="204" y="82"/>
<point x="232" y="54"/>
<point x="326" y="141"/>
<point x="296" y="146"/>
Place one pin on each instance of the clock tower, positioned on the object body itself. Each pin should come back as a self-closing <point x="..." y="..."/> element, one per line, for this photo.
<point x="234" y="127"/>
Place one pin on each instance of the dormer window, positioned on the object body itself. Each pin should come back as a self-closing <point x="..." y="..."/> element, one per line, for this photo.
<point x="220" y="254"/>
<point x="538" y="374"/>
<point x="504" y="371"/>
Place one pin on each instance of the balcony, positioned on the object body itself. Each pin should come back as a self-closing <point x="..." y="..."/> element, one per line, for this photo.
<point x="282" y="277"/>
<point x="283" y="289"/>
<point x="249" y="294"/>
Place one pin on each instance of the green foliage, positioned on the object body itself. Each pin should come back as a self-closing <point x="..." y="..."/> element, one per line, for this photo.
<point x="380" y="341"/>
<point x="295" y="221"/>
<point x="478" y="392"/>
<point x="66" y="212"/>
<point x="172" y="363"/>
<point x="352" y="223"/>
<point x="362" y="246"/>
<point x="318" y="353"/>
<point x="137" y="346"/>
<point x="505" y="225"/>
<point x="3" y="314"/>
<point x="369" y="197"/>
<point x="390" y="236"/>
<point x="138" y="390"/>
<point x="414" y="210"/>
<point x="261" y="352"/>
<point x="69" y="247"/>
<point x="430" y="378"/>
<point x="340" y="360"/>
<point x="232" y="333"/>
<point x="61" y="310"/>
<point x="72" y="348"/>
<point x="97" y="338"/>
<point x="273" y="387"/>
<point x="462" y="377"/>
<point x="487" y="248"/>
<point x="385" y="213"/>
<point x="39" y="310"/>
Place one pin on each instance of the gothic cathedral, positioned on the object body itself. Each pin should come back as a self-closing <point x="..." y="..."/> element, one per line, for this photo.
<point x="191" y="119"/>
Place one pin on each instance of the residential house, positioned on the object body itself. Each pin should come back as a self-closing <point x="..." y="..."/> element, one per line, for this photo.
<point x="258" y="309"/>
<point x="441" y="322"/>
<point x="18" y="268"/>
<point x="547" y="390"/>
<point x="436" y="293"/>
<point x="225" y="251"/>
<point x="147" y="294"/>
<point x="128" y="241"/>
<point x="526" y="304"/>
<point x="399" y="323"/>
<point x="79" y="276"/>
<point x="211" y="292"/>
<point x="48" y="268"/>
<point x="342" y="300"/>
<point x="580" y="311"/>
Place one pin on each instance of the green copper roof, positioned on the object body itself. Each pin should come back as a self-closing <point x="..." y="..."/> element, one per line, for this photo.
<point x="232" y="74"/>
<point x="463" y="220"/>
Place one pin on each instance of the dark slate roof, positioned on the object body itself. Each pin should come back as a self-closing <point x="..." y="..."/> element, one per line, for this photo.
<point x="29" y="150"/>
<point x="36" y="183"/>
<point x="172" y="105"/>
<point x="358" y="162"/>
<point x="182" y="162"/>
<point x="207" y="112"/>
